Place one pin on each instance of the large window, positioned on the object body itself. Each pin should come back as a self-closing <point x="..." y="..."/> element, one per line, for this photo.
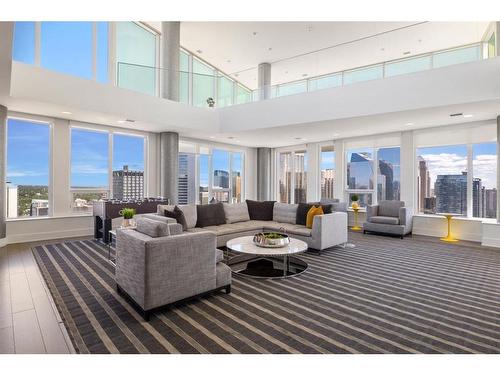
<point x="187" y="178"/>
<point x="442" y="179"/>
<point x="225" y="91"/>
<point x="128" y="167"/>
<point x="203" y="176"/>
<point x="220" y="176"/>
<point x="28" y="160"/>
<point x="236" y="176"/>
<point x="292" y="176"/>
<point x="203" y="83"/>
<point x="388" y="175"/>
<point x="360" y="172"/>
<point x="484" y="191"/>
<point x="136" y="57"/>
<point x="243" y="95"/>
<point x="327" y="171"/>
<point x="292" y="88"/>
<point x="24" y="42"/>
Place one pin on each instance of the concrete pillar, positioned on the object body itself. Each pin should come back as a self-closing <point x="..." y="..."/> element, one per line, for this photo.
<point x="6" y="34"/>
<point x="169" y="165"/>
<point x="263" y="174"/>
<point x="3" y="174"/>
<point x="170" y="44"/>
<point x="498" y="168"/>
<point x="264" y="81"/>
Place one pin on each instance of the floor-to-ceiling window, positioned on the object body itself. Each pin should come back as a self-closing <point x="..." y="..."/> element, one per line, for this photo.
<point x="28" y="168"/>
<point x="220" y="175"/>
<point x="236" y="176"/>
<point x="285" y="177"/>
<point x="292" y="180"/>
<point x="187" y="178"/>
<point x="136" y="55"/>
<point x="388" y="174"/>
<point x="360" y="175"/>
<point x="327" y="172"/>
<point x="484" y="184"/>
<point x="300" y="176"/>
<point x="442" y="179"/>
<point x="203" y="175"/>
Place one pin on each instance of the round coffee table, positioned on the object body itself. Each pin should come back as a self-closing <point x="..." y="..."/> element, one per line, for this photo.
<point x="263" y="262"/>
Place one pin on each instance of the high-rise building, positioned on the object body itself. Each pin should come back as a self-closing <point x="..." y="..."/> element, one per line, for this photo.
<point x="221" y="179"/>
<point x="127" y="184"/>
<point x="285" y="186"/>
<point x="236" y="187"/>
<point x="477" y="198"/>
<point x="423" y="185"/>
<point x="451" y="193"/>
<point x="327" y="181"/>
<point x="300" y="188"/>
<point x="385" y="181"/>
<point x="490" y="203"/>
<point x="187" y="179"/>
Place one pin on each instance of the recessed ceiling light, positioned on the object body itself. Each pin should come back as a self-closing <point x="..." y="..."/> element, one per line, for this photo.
<point x="304" y="75"/>
<point x="286" y="71"/>
<point x="238" y="141"/>
<point x="406" y="53"/>
<point x="121" y="121"/>
<point x="420" y="40"/>
<point x="66" y="113"/>
<point x="468" y="115"/>
<point x="336" y="134"/>
<point x="236" y="75"/>
<point x="228" y="61"/>
<point x="212" y="137"/>
<point x="199" y="51"/>
<point x="270" y="49"/>
<point x="230" y="137"/>
<point x="382" y="49"/>
<point x="255" y="33"/>
<point x="409" y="124"/>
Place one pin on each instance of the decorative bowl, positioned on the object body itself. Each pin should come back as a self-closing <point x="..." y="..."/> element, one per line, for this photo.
<point x="271" y="239"/>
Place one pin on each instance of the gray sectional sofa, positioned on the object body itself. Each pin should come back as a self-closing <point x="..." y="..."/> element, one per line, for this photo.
<point x="327" y="230"/>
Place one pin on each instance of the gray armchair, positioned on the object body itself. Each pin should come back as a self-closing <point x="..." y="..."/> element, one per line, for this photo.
<point x="390" y="217"/>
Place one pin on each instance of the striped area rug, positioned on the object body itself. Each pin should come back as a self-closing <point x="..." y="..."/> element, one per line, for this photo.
<point x="386" y="295"/>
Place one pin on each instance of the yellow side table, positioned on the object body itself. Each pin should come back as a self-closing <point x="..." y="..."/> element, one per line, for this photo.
<point x="449" y="237"/>
<point x="356" y="226"/>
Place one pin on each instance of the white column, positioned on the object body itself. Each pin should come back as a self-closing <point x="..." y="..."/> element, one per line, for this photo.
<point x="498" y="166"/>
<point x="61" y="197"/>
<point x="170" y="44"/>
<point x="264" y="81"/>
<point x="169" y="165"/>
<point x="340" y="170"/>
<point x="6" y="34"/>
<point x="313" y="165"/>
<point x="407" y="170"/>
<point x="3" y="173"/>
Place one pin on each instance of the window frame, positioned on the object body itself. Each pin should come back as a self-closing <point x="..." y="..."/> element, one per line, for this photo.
<point x="292" y="151"/>
<point x="44" y="121"/>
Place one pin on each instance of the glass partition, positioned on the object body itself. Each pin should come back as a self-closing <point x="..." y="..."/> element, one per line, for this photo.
<point x="411" y="65"/>
<point x="291" y="88"/>
<point x="203" y="83"/>
<point x="457" y="56"/>
<point x="183" y="77"/>
<point x="363" y="74"/>
<point x="136" y="57"/>
<point x="325" y="82"/>
<point x="225" y="92"/>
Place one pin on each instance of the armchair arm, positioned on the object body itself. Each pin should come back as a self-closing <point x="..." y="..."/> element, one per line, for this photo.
<point x="329" y="230"/>
<point x="406" y="216"/>
<point x="371" y="211"/>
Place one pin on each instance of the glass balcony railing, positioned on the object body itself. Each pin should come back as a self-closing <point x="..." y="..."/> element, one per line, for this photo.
<point x="218" y="90"/>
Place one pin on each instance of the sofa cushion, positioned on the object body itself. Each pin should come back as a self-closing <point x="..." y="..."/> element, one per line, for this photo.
<point x="313" y="211"/>
<point x="285" y="213"/>
<point x="236" y="212"/>
<point x="339" y="207"/>
<point x="389" y="208"/>
<point x="288" y="228"/>
<point x="159" y="217"/>
<point x="210" y="214"/>
<point x="384" y="220"/>
<point x="178" y="215"/>
<point x="152" y="228"/>
<point x="260" y="210"/>
<point x="219" y="256"/>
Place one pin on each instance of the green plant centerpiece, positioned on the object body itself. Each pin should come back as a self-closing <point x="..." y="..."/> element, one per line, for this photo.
<point x="271" y="239"/>
<point x="354" y="200"/>
<point x="128" y="214"/>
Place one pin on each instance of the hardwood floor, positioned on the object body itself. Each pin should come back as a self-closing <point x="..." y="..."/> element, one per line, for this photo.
<point x="29" y="321"/>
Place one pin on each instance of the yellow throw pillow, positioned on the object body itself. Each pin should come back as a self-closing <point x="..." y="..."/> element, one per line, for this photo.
<point x="313" y="211"/>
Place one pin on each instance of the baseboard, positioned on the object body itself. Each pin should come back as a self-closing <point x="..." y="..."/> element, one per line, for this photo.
<point x="491" y="242"/>
<point x="474" y="237"/>
<point x="3" y="242"/>
<point x="43" y="236"/>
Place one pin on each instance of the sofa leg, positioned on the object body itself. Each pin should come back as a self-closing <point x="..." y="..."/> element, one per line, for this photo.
<point x="146" y="315"/>
<point x="228" y="289"/>
<point x="402" y="237"/>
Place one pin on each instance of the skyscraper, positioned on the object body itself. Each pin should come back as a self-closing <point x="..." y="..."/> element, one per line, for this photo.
<point x="424" y="185"/>
<point x="327" y="180"/>
<point x="221" y="179"/>
<point x="127" y="184"/>
<point x="490" y="203"/>
<point x="477" y="198"/>
<point x="187" y="179"/>
<point x="451" y="193"/>
<point x="385" y="181"/>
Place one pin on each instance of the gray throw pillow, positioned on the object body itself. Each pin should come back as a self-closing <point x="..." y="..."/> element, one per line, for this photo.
<point x="152" y="228"/>
<point x="178" y="215"/>
<point x="236" y="212"/>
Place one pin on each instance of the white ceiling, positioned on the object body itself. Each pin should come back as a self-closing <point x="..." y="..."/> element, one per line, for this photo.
<point x="237" y="48"/>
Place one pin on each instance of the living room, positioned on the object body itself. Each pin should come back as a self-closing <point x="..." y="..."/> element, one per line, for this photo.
<point x="295" y="185"/>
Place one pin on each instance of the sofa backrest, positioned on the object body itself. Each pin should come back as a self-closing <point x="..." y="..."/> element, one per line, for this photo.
<point x="389" y="208"/>
<point x="189" y="211"/>
<point x="285" y="213"/>
<point x="236" y="212"/>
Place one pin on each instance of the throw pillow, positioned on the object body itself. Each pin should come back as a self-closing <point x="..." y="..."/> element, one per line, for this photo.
<point x="313" y="211"/>
<point x="152" y="228"/>
<point x="260" y="210"/>
<point x="302" y="211"/>
<point x="178" y="215"/>
<point x="210" y="214"/>
<point x="236" y="212"/>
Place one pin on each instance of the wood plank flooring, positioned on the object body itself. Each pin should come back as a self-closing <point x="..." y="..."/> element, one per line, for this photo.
<point x="29" y="321"/>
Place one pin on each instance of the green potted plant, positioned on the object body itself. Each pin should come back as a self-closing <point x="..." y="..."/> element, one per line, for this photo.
<point x="354" y="200"/>
<point x="128" y="214"/>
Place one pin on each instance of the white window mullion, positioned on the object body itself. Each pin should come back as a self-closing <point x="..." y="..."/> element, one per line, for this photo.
<point x="470" y="178"/>
<point x="38" y="38"/>
<point x="110" y="164"/>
